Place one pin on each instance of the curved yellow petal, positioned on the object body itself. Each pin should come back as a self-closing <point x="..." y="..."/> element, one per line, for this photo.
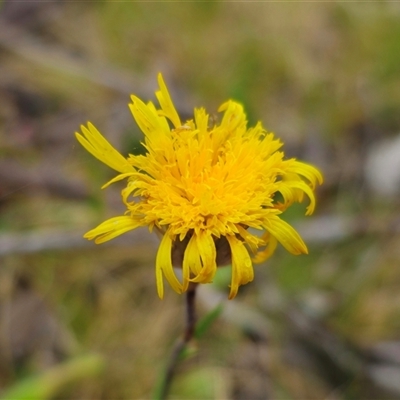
<point x="164" y="266"/>
<point x="285" y="234"/>
<point x="208" y="255"/>
<point x="118" y="178"/>
<point x="234" y="115"/>
<point x="191" y="261"/>
<point x="252" y="241"/>
<point x="292" y="190"/>
<point x="263" y="255"/>
<point x="308" y="171"/>
<point x="112" y="228"/>
<point x="242" y="267"/>
<point x="95" y="144"/>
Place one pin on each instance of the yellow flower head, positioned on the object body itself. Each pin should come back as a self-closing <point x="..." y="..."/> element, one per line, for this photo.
<point x="203" y="185"/>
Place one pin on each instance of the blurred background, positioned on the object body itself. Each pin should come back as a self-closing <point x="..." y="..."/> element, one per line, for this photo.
<point x="325" y="77"/>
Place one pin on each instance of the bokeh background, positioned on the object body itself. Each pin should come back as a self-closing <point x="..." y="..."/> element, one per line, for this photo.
<point x="80" y="321"/>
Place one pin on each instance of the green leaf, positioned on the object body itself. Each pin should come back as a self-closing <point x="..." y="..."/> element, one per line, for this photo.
<point x="204" y="324"/>
<point x="49" y="383"/>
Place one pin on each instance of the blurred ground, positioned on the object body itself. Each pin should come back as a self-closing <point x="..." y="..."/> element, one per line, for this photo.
<point x="324" y="77"/>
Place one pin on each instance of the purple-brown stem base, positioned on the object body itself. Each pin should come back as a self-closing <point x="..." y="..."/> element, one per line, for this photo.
<point x="182" y="342"/>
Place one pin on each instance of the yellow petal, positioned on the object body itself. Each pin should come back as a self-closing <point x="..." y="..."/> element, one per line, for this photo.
<point x="112" y="228"/>
<point x="292" y="190"/>
<point x="201" y="118"/>
<point x="95" y="144"/>
<point x="191" y="261"/>
<point x="146" y="118"/>
<point x="164" y="266"/>
<point x="308" y="171"/>
<point x="168" y="108"/>
<point x="242" y="268"/>
<point x="126" y="192"/>
<point x="268" y="251"/>
<point x="285" y="234"/>
<point x="234" y="115"/>
<point x="118" y="178"/>
<point x="252" y="240"/>
<point x="208" y="255"/>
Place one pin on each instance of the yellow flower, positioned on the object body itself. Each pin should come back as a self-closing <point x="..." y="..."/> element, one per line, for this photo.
<point x="203" y="185"/>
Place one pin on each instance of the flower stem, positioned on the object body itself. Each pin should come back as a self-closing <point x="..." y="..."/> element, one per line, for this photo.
<point x="180" y="345"/>
<point x="190" y="312"/>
